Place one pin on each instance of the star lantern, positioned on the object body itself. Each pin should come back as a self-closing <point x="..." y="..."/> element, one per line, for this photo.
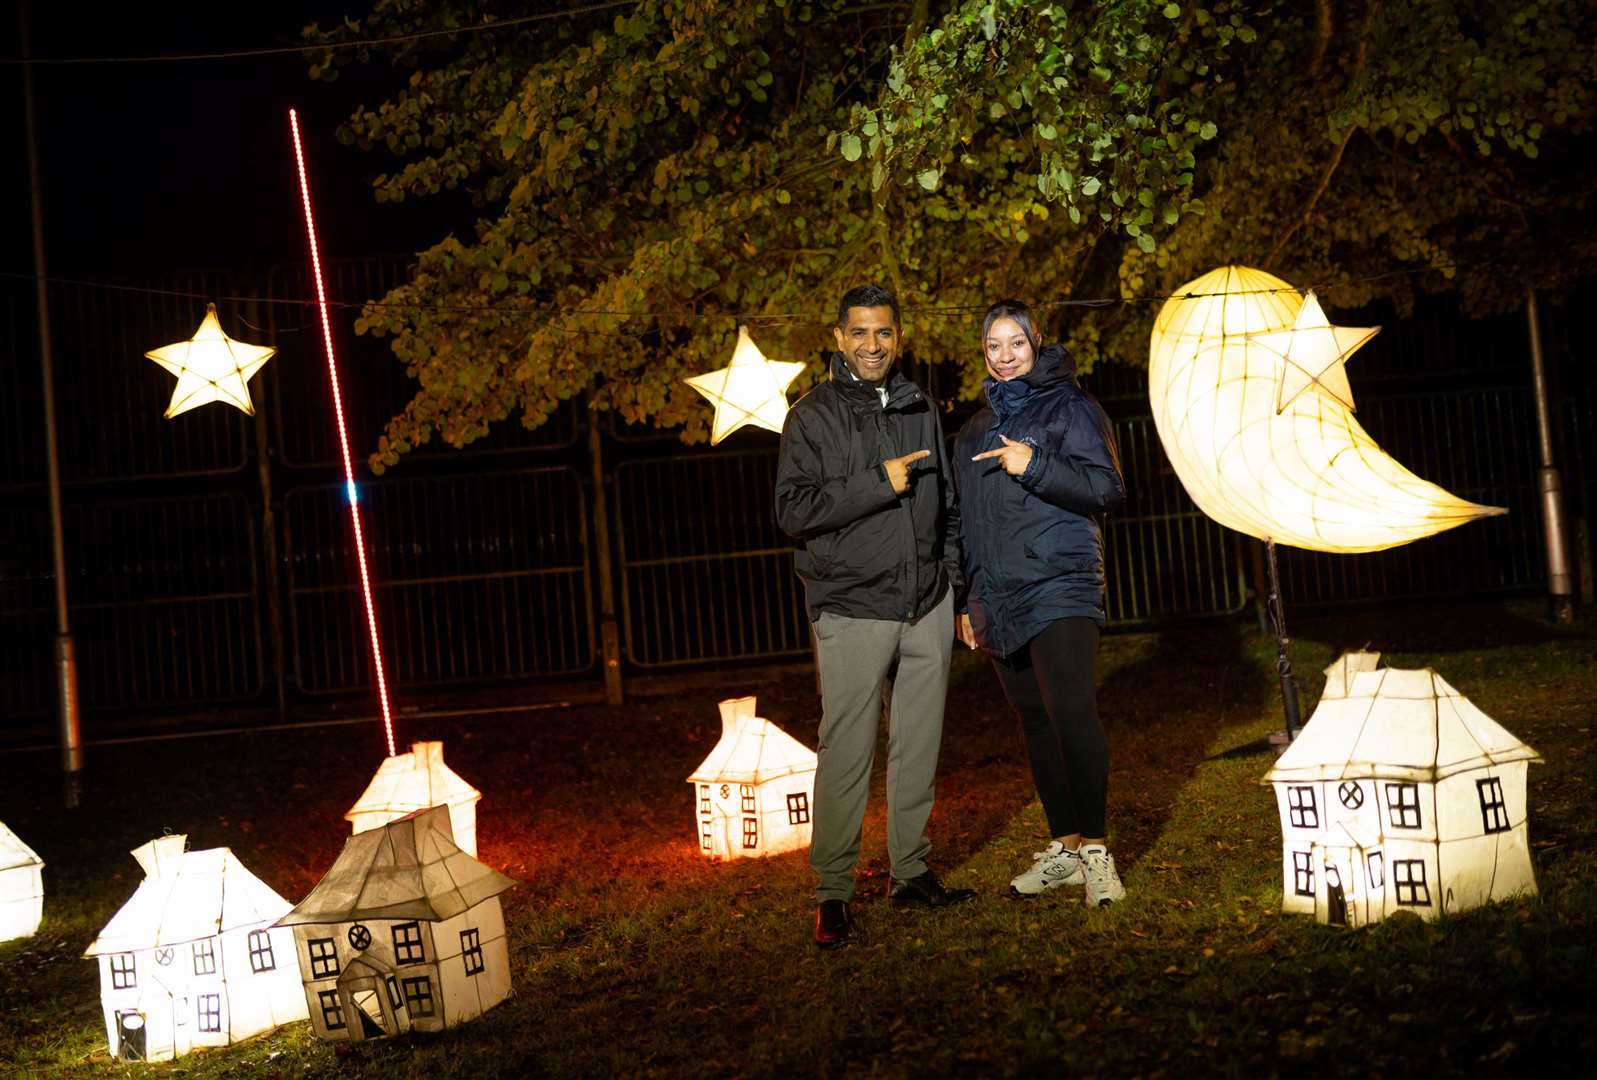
<point x="1314" y="354"/>
<point x="211" y="366"/>
<point x="749" y="390"/>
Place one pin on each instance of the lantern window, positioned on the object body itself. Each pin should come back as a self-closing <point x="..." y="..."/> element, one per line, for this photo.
<point x="1302" y="873"/>
<point x="1408" y="875"/>
<point x="261" y="959"/>
<point x="751" y="832"/>
<point x="1376" y="870"/>
<point x="419" y="996"/>
<point x="798" y="808"/>
<point x="746" y="793"/>
<point x="1494" y="809"/>
<point x="1403" y="803"/>
<point x="332" y="1010"/>
<point x="209" y="1009"/>
<point x="407" y="944"/>
<point x="124" y="972"/>
<point x="471" y="950"/>
<point x="704" y="800"/>
<point x="1301" y="808"/>
<point x="706" y="837"/>
<point x="393" y="991"/>
<point x="324" y="957"/>
<point x="163" y="955"/>
<point x="1351" y="794"/>
<point x="205" y="957"/>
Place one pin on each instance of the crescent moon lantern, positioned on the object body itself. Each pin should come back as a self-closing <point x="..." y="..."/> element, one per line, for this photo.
<point x="1252" y="406"/>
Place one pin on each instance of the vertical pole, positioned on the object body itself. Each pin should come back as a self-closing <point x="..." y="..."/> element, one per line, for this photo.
<point x="1560" y="578"/>
<point x="66" y="665"/>
<point x="263" y="470"/>
<point x="1283" y="663"/>
<point x="610" y="638"/>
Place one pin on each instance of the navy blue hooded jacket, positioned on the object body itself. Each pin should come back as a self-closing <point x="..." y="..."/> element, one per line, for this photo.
<point x="1032" y="553"/>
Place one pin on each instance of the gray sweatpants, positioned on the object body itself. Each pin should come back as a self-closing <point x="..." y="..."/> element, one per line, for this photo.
<point x="854" y="657"/>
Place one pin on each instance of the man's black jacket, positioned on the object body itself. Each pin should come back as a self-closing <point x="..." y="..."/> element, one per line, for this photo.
<point x="864" y="551"/>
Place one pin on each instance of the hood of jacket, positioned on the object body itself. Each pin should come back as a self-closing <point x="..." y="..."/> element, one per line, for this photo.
<point x="862" y="395"/>
<point x="1053" y="369"/>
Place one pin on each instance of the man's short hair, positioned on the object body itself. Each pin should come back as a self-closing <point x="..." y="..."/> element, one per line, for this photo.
<point x="866" y="296"/>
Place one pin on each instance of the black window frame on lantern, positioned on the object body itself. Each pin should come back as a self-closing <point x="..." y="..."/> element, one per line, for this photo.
<point x="1350" y="794"/>
<point x="262" y="959"/>
<point x="1402" y="802"/>
<point x="1375" y="869"/>
<point x="798" y="808"/>
<point x="748" y="799"/>
<point x="332" y="1009"/>
<point x="751" y="833"/>
<point x="419" y="990"/>
<point x="1302" y="873"/>
<point x="124" y="976"/>
<point x="1301" y="815"/>
<point x="323" y="955"/>
<point x="204" y="958"/>
<point x="706" y="837"/>
<point x="705" y="806"/>
<point x="471" y="950"/>
<point x="1494" y="813"/>
<point x="208" y="1012"/>
<point x="1403" y="884"/>
<point x="392" y="983"/>
<point x="411" y="949"/>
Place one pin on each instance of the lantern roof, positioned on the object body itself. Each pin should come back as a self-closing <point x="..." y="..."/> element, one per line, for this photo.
<point x="1394" y="724"/>
<point x="752" y="750"/>
<point x="409" y="868"/>
<point x="405" y="783"/>
<point x="13" y="852"/>
<point x="186" y="896"/>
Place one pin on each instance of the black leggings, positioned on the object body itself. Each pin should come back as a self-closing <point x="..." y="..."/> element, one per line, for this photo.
<point x="1051" y="683"/>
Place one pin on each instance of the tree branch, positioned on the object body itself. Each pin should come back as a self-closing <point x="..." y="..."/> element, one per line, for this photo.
<point x="1308" y="207"/>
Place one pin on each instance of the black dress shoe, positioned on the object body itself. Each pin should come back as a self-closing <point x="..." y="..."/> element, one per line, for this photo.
<point x="832" y="923"/>
<point x="927" y="891"/>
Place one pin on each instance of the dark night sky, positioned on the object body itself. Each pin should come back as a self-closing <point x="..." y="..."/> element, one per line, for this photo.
<point x="157" y="167"/>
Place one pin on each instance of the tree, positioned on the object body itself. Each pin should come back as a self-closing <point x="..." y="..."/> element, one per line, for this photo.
<point x="650" y="175"/>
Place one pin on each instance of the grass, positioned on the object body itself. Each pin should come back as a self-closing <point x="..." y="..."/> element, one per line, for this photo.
<point x="633" y="955"/>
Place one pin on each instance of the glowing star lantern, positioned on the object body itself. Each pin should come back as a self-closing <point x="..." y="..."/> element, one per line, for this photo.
<point x="192" y="959"/>
<point x="21" y="887"/>
<point x="405" y="932"/>
<point x="1400" y="795"/>
<point x="749" y="390"/>
<point x="415" y="781"/>
<point x="754" y="790"/>
<point x="211" y="366"/>
<point x="1248" y="392"/>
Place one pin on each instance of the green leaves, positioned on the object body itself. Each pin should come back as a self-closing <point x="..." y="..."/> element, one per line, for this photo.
<point x="849" y="146"/>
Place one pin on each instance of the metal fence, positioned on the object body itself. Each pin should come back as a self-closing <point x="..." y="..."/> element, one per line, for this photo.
<point x="203" y="548"/>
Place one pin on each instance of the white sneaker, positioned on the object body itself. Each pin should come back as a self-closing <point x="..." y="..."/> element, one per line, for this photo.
<point x="1054" y="867"/>
<point x="1103" y="884"/>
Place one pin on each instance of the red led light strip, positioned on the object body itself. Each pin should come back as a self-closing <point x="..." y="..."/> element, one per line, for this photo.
<point x="343" y="435"/>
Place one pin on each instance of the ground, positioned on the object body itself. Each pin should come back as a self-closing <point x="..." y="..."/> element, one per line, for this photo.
<point x="631" y="954"/>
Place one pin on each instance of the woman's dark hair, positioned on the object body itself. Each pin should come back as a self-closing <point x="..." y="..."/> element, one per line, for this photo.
<point x="1012" y="309"/>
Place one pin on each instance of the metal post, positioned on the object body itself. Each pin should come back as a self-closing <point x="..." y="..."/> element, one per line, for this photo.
<point x="1283" y="663"/>
<point x="610" y="637"/>
<point x="1560" y="578"/>
<point x="66" y="666"/>
<point x="263" y="468"/>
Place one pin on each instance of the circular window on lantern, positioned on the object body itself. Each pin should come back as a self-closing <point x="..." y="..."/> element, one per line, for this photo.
<point x="360" y="938"/>
<point x="726" y="792"/>
<point x="163" y="956"/>
<point x="1351" y="794"/>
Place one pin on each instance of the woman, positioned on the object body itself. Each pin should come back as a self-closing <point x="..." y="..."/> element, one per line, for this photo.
<point x="1032" y="467"/>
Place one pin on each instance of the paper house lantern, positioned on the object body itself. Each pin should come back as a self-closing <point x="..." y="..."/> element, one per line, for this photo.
<point x="1400" y="795"/>
<point x="1251" y="400"/>
<point x="415" y="781"/>
<point x="211" y="366"/>
<point x="753" y="793"/>
<point x="192" y="959"/>
<point x="749" y="390"/>
<point x="21" y="887"/>
<point x="404" y="933"/>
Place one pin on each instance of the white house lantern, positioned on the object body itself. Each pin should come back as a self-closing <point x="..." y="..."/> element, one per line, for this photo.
<point x="21" y="887"/>
<point x="1400" y="795"/>
<point x="211" y="366"/>
<point x="192" y="959"/>
<point x="749" y="390"/>
<point x="404" y="933"/>
<point x="753" y="793"/>
<point x="405" y="783"/>
<point x="1249" y="392"/>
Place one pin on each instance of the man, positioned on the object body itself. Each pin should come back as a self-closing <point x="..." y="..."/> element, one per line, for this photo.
<point x="863" y="485"/>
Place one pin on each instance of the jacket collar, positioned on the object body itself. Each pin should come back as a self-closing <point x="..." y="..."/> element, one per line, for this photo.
<point x="1052" y="370"/>
<point x="862" y="395"/>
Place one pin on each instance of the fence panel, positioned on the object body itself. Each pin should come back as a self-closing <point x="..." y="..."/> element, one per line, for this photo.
<point x="705" y="573"/>
<point x="475" y="578"/>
